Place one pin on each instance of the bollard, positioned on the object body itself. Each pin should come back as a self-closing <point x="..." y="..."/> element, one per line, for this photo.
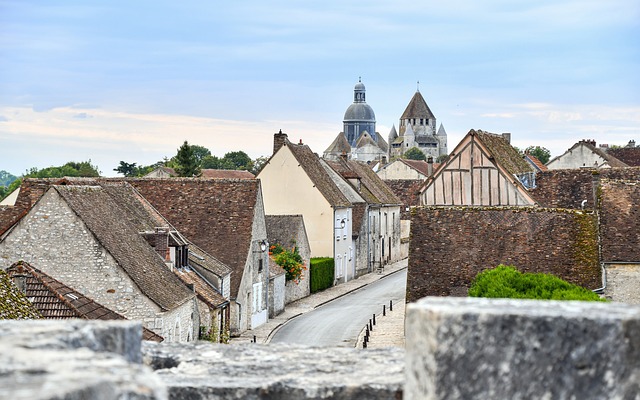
<point x="254" y="339"/>
<point x="390" y="305"/>
<point x="370" y="325"/>
<point x="374" y="319"/>
<point x="364" y="344"/>
<point x="384" y="310"/>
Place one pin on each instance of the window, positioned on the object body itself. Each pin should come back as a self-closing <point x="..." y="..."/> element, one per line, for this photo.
<point x="260" y="265"/>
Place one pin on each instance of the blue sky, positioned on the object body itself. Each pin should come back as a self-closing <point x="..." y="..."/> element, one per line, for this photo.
<point x="123" y="80"/>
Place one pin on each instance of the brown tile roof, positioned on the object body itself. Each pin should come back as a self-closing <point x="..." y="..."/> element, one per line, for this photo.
<point x="358" y="218"/>
<point x="339" y="145"/>
<point x="275" y="269"/>
<point x="417" y="108"/>
<point x="215" y="214"/>
<point x="505" y="154"/>
<point x="204" y="260"/>
<point x="535" y="162"/>
<point x="620" y="220"/>
<point x="55" y="300"/>
<point x="204" y="290"/>
<point x="372" y="188"/>
<point x="114" y="227"/>
<point x="407" y="190"/>
<point x="13" y="303"/>
<point x="419" y="165"/>
<point x="628" y="155"/>
<point x="311" y="164"/>
<point x="226" y="174"/>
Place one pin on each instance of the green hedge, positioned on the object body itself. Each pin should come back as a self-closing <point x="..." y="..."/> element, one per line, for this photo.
<point x="322" y="273"/>
<point x="507" y="282"/>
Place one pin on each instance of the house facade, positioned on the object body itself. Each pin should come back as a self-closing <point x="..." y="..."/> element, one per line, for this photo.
<point x="483" y="170"/>
<point x="82" y="236"/>
<point x="585" y="154"/>
<point x="295" y="182"/>
<point x="403" y="168"/>
<point x="225" y="218"/>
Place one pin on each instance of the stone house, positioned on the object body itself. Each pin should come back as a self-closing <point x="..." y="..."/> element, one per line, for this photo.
<point x="294" y="182"/>
<point x="89" y="237"/>
<point x="379" y="232"/>
<point x="55" y="300"/>
<point x="403" y="168"/>
<point x="630" y="154"/>
<point x="224" y="218"/>
<point x="408" y="192"/>
<point x="483" y="170"/>
<point x="289" y="231"/>
<point x="585" y="154"/>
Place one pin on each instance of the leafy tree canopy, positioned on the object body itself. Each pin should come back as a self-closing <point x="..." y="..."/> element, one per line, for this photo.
<point x="239" y="160"/>
<point x="414" y="154"/>
<point x="85" y="169"/>
<point x="186" y="161"/>
<point x="6" y="178"/>
<point x="507" y="282"/>
<point x="541" y="153"/>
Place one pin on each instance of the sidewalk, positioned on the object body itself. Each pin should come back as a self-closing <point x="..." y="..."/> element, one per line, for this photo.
<point x="264" y="332"/>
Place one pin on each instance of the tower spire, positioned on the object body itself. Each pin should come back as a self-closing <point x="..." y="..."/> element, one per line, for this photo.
<point x="418" y="87"/>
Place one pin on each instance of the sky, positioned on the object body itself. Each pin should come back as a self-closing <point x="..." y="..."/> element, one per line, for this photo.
<point x="132" y="80"/>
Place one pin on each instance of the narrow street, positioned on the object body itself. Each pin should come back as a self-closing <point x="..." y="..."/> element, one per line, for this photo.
<point x="339" y="322"/>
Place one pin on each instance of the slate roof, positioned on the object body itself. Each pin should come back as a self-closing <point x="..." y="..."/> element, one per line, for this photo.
<point x="309" y="161"/>
<point x="620" y="220"/>
<point x="505" y="154"/>
<point x="372" y="188"/>
<point x="214" y="214"/>
<point x="204" y="290"/>
<point x="628" y="155"/>
<point x="114" y="227"/>
<point x="55" y="300"/>
<point x="226" y="174"/>
<point x="13" y="303"/>
<point x="417" y="108"/>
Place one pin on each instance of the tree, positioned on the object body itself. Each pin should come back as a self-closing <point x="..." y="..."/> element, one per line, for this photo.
<point x="127" y="169"/>
<point x="200" y="152"/>
<point x="239" y="160"/>
<point x="541" y="153"/>
<point x="213" y="162"/>
<point x="186" y="161"/>
<point x="6" y="178"/>
<point x="73" y="169"/>
<point x="414" y="154"/>
<point x="258" y="163"/>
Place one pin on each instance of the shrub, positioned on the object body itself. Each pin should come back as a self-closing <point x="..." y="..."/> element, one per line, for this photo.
<point x="507" y="282"/>
<point x="290" y="261"/>
<point x="322" y="273"/>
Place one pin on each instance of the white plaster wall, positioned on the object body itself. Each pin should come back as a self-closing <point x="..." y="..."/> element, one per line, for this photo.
<point x="399" y="170"/>
<point x="277" y="295"/>
<point x="344" y="260"/>
<point x="579" y="157"/>
<point x="287" y="190"/>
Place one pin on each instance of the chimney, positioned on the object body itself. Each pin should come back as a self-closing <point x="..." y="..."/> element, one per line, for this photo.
<point x="429" y="166"/>
<point x="507" y="136"/>
<point x="20" y="279"/>
<point x="279" y="140"/>
<point x="343" y="156"/>
<point x="162" y="243"/>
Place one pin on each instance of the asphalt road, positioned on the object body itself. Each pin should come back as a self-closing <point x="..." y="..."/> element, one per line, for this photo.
<point x="339" y="322"/>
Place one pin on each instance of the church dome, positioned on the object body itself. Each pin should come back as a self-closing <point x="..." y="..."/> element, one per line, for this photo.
<point x="359" y="86"/>
<point x="359" y="112"/>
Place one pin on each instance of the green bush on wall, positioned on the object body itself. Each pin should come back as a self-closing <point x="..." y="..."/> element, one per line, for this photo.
<point x="507" y="282"/>
<point x="322" y="273"/>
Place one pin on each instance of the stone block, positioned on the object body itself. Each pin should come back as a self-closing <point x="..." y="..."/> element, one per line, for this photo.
<point x="289" y="372"/>
<point x="74" y="359"/>
<point x="469" y="348"/>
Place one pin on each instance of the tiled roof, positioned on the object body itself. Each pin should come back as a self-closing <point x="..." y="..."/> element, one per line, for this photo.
<point x="215" y="214"/>
<point x="419" y="165"/>
<point x="339" y="145"/>
<point x="382" y="143"/>
<point x="311" y="164"/>
<point x="407" y="190"/>
<point x="115" y="228"/>
<point x="204" y="260"/>
<point x="365" y="139"/>
<point x="357" y="218"/>
<point x="55" y="300"/>
<point x="533" y="160"/>
<point x="417" y="108"/>
<point x="628" y="155"/>
<point x="204" y="290"/>
<point x="620" y="220"/>
<point x="283" y="229"/>
<point x="609" y="158"/>
<point x="226" y="174"/>
<point x="505" y="154"/>
<point x="372" y="188"/>
<point x="275" y="269"/>
<point x="13" y="303"/>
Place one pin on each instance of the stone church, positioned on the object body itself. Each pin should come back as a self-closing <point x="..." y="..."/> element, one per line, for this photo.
<point x="418" y="129"/>
<point x="360" y="141"/>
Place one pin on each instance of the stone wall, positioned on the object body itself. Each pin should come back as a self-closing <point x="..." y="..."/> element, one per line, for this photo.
<point x="450" y="246"/>
<point x="623" y="283"/>
<point x="455" y="349"/>
<point x="620" y="220"/>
